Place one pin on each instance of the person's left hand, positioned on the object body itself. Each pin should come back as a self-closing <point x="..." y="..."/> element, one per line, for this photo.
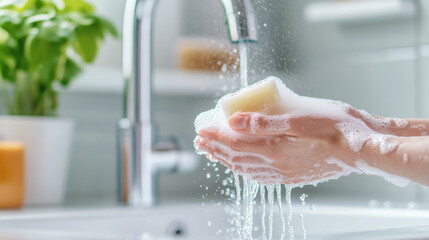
<point x="279" y="149"/>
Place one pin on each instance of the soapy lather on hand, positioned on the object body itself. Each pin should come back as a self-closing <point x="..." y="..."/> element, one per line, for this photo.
<point x="273" y="135"/>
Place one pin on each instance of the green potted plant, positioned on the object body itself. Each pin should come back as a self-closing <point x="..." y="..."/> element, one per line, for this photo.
<point x="43" y="44"/>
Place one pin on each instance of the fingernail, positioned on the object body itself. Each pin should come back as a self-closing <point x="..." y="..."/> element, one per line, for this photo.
<point x="238" y="122"/>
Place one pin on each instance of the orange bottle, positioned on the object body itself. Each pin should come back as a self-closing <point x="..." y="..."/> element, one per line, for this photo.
<point x="11" y="174"/>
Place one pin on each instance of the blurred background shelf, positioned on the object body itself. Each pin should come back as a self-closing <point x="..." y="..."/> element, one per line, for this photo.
<point x="166" y="81"/>
<point x="358" y="11"/>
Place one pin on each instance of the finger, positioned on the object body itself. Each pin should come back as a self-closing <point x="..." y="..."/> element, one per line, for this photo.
<point x="260" y="124"/>
<point x="212" y="149"/>
<point x="265" y="148"/>
<point x="246" y="168"/>
<point x="248" y="159"/>
<point x="222" y="161"/>
<point x="236" y="168"/>
<point x="307" y="180"/>
<point x="234" y="143"/>
<point x="251" y="160"/>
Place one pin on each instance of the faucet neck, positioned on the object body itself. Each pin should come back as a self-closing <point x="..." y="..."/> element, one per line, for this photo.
<point x="241" y="20"/>
<point x="137" y="71"/>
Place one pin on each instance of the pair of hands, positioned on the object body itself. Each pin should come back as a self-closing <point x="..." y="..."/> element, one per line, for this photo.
<point x="291" y="149"/>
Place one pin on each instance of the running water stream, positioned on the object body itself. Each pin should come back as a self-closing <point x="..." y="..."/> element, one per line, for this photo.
<point x="243" y="64"/>
<point x="244" y="209"/>
<point x="247" y="191"/>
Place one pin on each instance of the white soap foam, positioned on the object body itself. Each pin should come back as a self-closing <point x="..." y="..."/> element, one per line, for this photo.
<point x="355" y="130"/>
<point x="419" y="126"/>
<point x="379" y="123"/>
<point x="383" y="142"/>
<point x="401" y="123"/>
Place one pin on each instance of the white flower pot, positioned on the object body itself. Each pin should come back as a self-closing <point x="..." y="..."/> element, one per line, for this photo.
<point x="47" y="144"/>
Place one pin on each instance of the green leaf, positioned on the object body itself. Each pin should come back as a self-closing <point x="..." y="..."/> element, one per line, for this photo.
<point x="78" y="6"/>
<point x="8" y="4"/>
<point x="7" y="57"/>
<point x="72" y="69"/>
<point x="55" y="31"/>
<point x="36" y="38"/>
<point x="9" y="16"/>
<point x="78" y="18"/>
<point x="40" y="51"/>
<point x="40" y="17"/>
<point x="86" y="43"/>
<point x="27" y="5"/>
<point x="107" y="25"/>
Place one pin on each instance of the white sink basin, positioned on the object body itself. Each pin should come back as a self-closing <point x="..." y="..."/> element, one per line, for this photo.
<point x="191" y="222"/>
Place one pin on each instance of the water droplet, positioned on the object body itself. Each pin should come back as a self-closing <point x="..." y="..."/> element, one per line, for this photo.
<point x="209" y="223"/>
<point x="313" y="207"/>
<point x="265" y="25"/>
<point x="302" y="198"/>
<point x="227" y="171"/>
<point x="225" y="182"/>
<point x="208" y="175"/>
<point x="216" y="169"/>
<point x="227" y="191"/>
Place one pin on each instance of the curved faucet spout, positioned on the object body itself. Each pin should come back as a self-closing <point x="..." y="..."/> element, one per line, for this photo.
<point x="138" y="164"/>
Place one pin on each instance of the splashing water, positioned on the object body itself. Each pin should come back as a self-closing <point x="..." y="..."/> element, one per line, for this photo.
<point x="237" y="213"/>
<point x="270" y="189"/>
<point x="249" y="192"/>
<point x="289" y="203"/>
<point x="279" y="200"/>
<point x="245" y="202"/>
<point x="304" y="232"/>
<point x="264" y="229"/>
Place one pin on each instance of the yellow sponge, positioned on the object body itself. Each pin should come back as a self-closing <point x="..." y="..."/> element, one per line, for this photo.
<point x="263" y="97"/>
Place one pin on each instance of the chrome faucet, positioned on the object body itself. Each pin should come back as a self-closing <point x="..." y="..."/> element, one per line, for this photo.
<point x="140" y="161"/>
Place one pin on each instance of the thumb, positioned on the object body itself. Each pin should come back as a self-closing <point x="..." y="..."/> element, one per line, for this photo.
<point x="260" y="124"/>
